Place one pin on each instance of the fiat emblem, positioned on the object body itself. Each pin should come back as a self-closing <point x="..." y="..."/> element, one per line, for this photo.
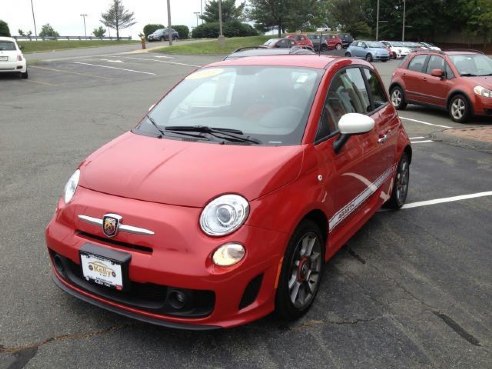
<point x="110" y="224"/>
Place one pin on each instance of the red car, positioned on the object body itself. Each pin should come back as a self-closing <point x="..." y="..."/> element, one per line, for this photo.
<point x="458" y="81"/>
<point x="301" y="40"/>
<point x="224" y="203"/>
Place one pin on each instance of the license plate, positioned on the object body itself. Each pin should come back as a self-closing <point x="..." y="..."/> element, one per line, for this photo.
<point x="4" y="58"/>
<point x="102" y="271"/>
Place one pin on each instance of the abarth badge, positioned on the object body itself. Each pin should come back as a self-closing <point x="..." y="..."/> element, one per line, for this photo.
<point x="110" y="224"/>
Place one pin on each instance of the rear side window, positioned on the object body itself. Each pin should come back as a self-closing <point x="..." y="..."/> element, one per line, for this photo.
<point x="378" y="93"/>
<point x="435" y="62"/>
<point x="417" y="63"/>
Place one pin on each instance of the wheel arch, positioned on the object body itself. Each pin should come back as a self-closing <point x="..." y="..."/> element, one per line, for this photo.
<point x="459" y="92"/>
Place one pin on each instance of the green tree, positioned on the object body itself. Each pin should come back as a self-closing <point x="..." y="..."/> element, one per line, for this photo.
<point x="268" y="14"/>
<point x="99" y="32"/>
<point x="351" y="16"/>
<point x="48" y="31"/>
<point x="117" y="17"/>
<point x="480" y="21"/>
<point x="4" y="29"/>
<point x="230" y="12"/>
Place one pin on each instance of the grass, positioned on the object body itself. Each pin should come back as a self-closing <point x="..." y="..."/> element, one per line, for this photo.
<point x="50" y="45"/>
<point x="213" y="47"/>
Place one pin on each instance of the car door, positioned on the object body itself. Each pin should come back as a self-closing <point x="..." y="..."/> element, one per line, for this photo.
<point x="348" y="176"/>
<point x="437" y="88"/>
<point x="413" y="78"/>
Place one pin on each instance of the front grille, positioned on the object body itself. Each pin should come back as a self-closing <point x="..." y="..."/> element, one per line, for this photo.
<point x="157" y="299"/>
<point x="113" y="242"/>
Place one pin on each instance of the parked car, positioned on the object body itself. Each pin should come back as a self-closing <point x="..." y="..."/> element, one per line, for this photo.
<point x="11" y="58"/>
<point x="430" y="46"/>
<point x="346" y="38"/>
<point x="397" y="49"/>
<point x="368" y="50"/>
<point x="301" y="40"/>
<point x="334" y="42"/>
<point x="262" y="51"/>
<point x="458" y="81"/>
<point x="224" y="203"/>
<point x="319" y="41"/>
<point x="283" y="43"/>
<point x="413" y="45"/>
<point x="162" y="34"/>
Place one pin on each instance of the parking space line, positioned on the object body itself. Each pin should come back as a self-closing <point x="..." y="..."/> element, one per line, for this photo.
<point x="165" y="62"/>
<point x="426" y="123"/>
<point x="68" y="72"/>
<point x="107" y="66"/>
<point x="42" y="83"/>
<point x="420" y="142"/>
<point x="446" y="199"/>
<point x="417" y="138"/>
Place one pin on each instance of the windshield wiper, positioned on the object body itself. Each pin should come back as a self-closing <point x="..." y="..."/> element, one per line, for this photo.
<point x="467" y="75"/>
<point x="230" y="134"/>
<point x="162" y="133"/>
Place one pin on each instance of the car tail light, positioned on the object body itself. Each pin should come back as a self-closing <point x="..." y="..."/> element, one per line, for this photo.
<point x="19" y="57"/>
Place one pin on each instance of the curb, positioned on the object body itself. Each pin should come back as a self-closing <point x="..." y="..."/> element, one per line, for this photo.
<point x="476" y="138"/>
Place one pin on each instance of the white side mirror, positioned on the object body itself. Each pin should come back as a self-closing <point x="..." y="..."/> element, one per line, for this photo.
<point x="355" y="123"/>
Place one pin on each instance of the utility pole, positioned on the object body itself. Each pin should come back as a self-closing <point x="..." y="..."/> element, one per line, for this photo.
<point x="221" y="36"/>
<point x="377" y="21"/>
<point x="34" y="19"/>
<point x="197" y="14"/>
<point x="169" y="22"/>
<point x="403" y="30"/>
<point x="85" y="29"/>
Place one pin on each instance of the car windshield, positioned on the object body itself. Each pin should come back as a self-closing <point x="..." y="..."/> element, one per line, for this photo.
<point x="472" y="64"/>
<point x="269" y="104"/>
<point x="375" y="44"/>
<point x="7" y="45"/>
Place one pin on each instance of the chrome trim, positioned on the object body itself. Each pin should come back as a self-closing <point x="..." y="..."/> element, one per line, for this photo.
<point x="122" y="227"/>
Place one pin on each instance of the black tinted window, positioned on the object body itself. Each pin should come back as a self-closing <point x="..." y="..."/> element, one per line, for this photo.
<point x="378" y="93"/>
<point x="435" y="62"/>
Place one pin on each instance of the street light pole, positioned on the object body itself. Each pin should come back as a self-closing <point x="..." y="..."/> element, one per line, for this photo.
<point x="85" y="29"/>
<point x="377" y="21"/>
<point x="169" y="22"/>
<point x="197" y="14"/>
<point x="403" y="30"/>
<point x="34" y="20"/>
<point x="221" y="36"/>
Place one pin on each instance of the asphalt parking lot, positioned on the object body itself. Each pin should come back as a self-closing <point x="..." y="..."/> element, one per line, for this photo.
<point x="411" y="290"/>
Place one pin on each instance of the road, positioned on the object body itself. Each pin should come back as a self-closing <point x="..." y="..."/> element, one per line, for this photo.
<point x="411" y="290"/>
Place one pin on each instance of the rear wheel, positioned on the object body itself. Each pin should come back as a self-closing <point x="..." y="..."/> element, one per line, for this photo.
<point x="459" y="109"/>
<point x="302" y="268"/>
<point x="324" y="48"/>
<point x="398" y="98"/>
<point x="339" y="47"/>
<point x="348" y="55"/>
<point x="400" y="184"/>
<point x="369" y="58"/>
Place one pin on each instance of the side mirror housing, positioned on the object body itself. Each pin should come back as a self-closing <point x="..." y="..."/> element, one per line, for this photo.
<point x="352" y="124"/>
<point x="437" y="73"/>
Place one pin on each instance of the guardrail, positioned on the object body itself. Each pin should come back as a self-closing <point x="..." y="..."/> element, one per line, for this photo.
<point x="79" y="38"/>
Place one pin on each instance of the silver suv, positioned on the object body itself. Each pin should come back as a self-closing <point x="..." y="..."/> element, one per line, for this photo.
<point x="162" y="34"/>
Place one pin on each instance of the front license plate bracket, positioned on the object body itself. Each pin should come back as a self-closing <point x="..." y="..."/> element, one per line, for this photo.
<point x="105" y="267"/>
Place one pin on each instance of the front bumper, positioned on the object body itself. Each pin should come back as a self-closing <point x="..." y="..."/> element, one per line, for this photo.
<point x="177" y="256"/>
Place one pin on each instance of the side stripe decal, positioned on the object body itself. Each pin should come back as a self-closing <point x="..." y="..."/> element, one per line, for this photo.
<point x="348" y="209"/>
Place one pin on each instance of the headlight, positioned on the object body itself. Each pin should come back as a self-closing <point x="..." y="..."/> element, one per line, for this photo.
<point x="228" y="254"/>
<point x="71" y="187"/>
<point x="224" y="215"/>
<point x="482" y="91"/>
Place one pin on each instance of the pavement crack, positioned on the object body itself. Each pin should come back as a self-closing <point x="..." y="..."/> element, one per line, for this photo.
<point x="457" y="328"/>
<point x="313" y="322"/>
<point x="16" y="350"/>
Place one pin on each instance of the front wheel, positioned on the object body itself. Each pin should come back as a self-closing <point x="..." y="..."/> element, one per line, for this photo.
<point x="459" y="109"/>
<point x="369" y="58"/>
<point x="348" y="55"/>
<point x="339" y="47"/>
<point x="302" y="268"/>
<point x="400" y="184"/>
<point x="398" y="98"/>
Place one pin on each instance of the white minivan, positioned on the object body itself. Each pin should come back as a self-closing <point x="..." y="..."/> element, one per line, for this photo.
<point x="11" y="58"/>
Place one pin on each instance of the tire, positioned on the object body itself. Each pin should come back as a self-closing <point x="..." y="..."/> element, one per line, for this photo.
<point x="348" y="55"/>
<point x="302" y="269"/>
<point x="459" y="109"/>
<point x="324" y="48"/>
<point x="400" y="184"/>
<point x="24" y="75"/>
<point x="338" y="47"/>
<point x="162" y="38"/>
<point x="384" y="60"/>
<point x="369" y="58"/>
<point x="397" y="97"/>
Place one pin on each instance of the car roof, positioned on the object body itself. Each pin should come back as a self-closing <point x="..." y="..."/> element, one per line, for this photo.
<point x="263" y="51"/>
<point x="3" y="38"/>
<point x="308" y="61"/>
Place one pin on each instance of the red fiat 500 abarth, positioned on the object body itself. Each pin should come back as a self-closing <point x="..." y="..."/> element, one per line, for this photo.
<point x="223" y="203"/>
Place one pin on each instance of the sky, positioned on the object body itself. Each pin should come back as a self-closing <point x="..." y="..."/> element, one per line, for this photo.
<point x="65" y="15"/>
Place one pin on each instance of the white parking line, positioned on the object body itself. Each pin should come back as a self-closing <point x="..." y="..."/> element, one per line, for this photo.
<point x="446" y="199"/>
<point x="426" y="123"/>
<point x="417" y="138"/>
<point x="421" y="142"/>
<point x="165" y="62"/>
<point x="124" y="69"/>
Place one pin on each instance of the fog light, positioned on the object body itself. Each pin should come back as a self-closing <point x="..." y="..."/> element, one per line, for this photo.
<point x="178" y="299"/>
<point x="228" y="254"/>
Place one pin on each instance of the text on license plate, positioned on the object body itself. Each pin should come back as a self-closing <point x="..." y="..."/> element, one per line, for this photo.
<point x="102" y="271"/>
<point x="4" y="58"/>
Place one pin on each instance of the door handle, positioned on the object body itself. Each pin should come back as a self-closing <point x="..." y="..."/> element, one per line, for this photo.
<point x="382" y="139"/>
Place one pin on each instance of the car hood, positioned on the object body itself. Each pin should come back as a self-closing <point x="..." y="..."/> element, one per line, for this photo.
<point x="187" y="173"/>
<point x="484" y="81"/>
